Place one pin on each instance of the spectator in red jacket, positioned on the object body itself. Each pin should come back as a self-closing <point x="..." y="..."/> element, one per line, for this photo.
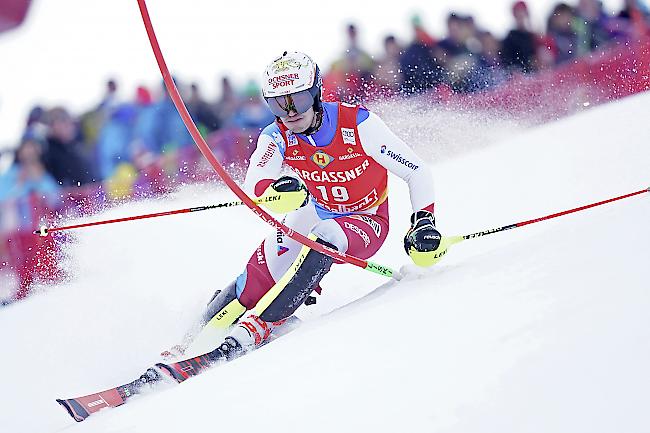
<point x="28" y="194"/>
<point x="632" y="8"/>
<point x="636" y="17"/>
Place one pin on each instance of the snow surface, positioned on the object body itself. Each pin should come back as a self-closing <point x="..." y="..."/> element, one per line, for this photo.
<point x="540" y="329"/>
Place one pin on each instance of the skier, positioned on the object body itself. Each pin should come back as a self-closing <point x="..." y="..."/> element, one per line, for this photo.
<point x="340" y="155"/>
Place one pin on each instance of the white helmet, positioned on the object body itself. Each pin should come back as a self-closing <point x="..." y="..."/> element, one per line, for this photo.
<point x="293" y="74"/>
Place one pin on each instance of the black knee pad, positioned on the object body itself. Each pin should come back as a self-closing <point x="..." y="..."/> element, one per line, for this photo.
<point x="303" y="282"/>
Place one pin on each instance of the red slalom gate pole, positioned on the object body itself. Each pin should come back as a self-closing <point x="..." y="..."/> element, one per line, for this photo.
<point x="44" y="231"/>
<point x="447" y="242"/>
<point x="554" y="215"/>
<point x="207" y="153"/>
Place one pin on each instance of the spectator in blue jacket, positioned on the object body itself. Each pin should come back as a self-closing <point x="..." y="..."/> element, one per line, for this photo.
<point x="253" y="113"/>
<point x="170" y="131"/>
<point x="26" y="188"/>
<point x="114" y="141"/>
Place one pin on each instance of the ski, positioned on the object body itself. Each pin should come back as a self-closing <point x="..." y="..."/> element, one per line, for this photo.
<point x="81" y="408"/>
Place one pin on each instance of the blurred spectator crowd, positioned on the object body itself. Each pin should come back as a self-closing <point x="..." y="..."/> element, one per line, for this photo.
<point x="66" y="165"/>
<point x="469" y="59"/>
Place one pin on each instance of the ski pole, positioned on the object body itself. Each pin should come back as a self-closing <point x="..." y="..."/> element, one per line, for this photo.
<point x="44" y="231"/>
<point x="451" y="240"/>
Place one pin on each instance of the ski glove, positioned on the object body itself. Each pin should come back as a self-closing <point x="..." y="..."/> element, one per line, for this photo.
<point x="291" y="194"/>
<point x="423" y="239"/>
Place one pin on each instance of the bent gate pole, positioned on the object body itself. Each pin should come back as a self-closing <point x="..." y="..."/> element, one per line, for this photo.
<point x="207" y="153"/>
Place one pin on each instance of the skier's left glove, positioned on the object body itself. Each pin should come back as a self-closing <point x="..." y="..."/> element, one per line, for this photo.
<point x="291" y="194"/>
<point x="422" y="241"/>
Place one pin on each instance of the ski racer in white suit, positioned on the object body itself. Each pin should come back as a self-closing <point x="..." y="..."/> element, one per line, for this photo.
<point x="339" y="156"/>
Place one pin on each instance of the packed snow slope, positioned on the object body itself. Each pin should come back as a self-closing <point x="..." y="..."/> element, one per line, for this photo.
<point x="540" y="329"/>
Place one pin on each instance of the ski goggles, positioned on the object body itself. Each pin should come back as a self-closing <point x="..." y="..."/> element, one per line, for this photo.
<point x="298" y="102"/>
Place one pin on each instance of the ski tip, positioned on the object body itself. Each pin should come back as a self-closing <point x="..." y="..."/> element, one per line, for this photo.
<point x="76" y="411"/>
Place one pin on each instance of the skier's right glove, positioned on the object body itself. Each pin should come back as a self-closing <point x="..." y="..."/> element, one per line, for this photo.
<point x="422" y="241"/>
<point x="291" y="194"/>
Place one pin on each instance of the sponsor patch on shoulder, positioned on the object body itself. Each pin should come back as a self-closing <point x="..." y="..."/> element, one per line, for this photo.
<point x="349" y="136"/>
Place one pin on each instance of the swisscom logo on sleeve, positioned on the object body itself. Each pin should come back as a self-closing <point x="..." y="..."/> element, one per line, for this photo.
<point x="397" y="157"/>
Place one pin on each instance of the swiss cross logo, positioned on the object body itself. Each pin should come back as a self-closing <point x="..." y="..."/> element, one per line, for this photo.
<point x="348" y="136"/>
<point x="321" y="159"/>
<point x="292" y="139"/>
